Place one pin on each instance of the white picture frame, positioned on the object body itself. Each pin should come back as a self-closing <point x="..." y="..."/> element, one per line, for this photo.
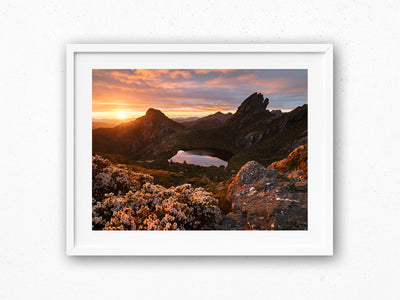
<point x="82" y="58"/>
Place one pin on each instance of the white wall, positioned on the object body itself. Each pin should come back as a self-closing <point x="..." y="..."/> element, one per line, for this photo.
<point x="365" y="34"/>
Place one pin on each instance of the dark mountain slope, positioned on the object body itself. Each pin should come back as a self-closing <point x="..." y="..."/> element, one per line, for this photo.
<point x="136" y="137"/>
<point x="252" y="133"/>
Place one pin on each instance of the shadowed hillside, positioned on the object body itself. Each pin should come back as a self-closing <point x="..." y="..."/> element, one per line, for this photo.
<point x="135" y="137"/>
<point x="251" y="133"/>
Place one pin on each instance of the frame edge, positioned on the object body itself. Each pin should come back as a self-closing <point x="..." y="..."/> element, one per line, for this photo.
<point x="70" y="159"/>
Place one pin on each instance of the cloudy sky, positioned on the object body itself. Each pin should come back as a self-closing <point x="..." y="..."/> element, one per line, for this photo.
<point x="185" y="93"/>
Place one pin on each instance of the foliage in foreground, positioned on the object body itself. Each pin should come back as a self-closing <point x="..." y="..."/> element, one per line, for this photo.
<point x="297" y="160"/>
<point x="125" y="200"/>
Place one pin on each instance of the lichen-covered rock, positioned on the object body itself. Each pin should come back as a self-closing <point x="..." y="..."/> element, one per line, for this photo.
<point x="251" y="172"/>
<point x="264" y="199"/>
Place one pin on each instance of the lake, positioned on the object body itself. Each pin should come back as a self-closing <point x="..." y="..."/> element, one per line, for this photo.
<point x="200" y="157"/>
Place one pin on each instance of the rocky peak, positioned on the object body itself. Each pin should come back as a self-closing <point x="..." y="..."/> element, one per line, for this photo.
<point x="154" y="113"/>
<point x="155" y="123"/>
<point x="254" y="104"/>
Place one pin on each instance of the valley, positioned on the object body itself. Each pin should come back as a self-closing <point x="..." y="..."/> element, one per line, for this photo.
<point x="213" y="153"/>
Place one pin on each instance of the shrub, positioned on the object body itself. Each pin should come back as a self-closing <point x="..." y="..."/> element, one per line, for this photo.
<point x="110" y="178"/>
<point x="133" y="202"/>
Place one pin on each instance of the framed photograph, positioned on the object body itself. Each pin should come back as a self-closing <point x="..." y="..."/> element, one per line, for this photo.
<point x="199" y="149"/>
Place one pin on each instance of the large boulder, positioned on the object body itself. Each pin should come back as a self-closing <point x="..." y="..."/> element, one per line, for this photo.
<point x="264" y="199"/>
<point x="252" y="172"/>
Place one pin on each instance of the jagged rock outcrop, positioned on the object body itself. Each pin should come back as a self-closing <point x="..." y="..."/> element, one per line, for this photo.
<point x="254" y="104"/>
<point x="253" y="107"/>
<point x="264" y="199"/>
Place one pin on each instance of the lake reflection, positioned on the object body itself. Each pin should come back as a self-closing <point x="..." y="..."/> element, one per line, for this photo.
<point x="198" y="157"/>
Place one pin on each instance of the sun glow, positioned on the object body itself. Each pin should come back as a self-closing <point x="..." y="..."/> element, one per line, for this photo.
<point x="122" y="115"/>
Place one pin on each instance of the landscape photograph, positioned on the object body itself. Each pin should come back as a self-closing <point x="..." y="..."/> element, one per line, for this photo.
<point x="199" y="149"/>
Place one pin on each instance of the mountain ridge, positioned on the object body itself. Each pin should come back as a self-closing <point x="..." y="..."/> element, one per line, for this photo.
<point x="210" y="121"/>
<point x="251" y="132"/>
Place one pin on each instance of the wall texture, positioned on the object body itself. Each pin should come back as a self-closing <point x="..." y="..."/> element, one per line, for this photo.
<point x="365" y="35"/>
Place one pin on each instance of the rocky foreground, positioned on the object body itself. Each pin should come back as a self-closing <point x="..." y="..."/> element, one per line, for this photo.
<point x="265" y="199"/>
<point x="273" y="198"/>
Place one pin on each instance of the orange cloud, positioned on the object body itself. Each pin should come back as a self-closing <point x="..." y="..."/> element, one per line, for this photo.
<point x="197" y="91"/>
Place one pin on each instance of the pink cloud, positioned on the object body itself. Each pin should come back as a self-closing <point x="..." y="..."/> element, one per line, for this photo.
<point x="199" y="90"/>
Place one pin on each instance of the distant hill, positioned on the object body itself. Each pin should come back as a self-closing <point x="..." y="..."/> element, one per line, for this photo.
<point x="96" y="125"/>
<point x="211" y="121"/>
<point x="252" y="133"/>
<point x="104" y="123"/>
<point x="189" y="119"/>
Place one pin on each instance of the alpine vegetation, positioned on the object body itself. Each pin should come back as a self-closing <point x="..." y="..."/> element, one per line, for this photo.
<point x="133" y="202"/>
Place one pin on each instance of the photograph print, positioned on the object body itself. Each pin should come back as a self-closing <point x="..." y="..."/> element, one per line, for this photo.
<point x="199" y="149"/>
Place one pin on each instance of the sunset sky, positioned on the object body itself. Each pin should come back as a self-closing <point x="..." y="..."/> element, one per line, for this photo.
<point x="124" y="94"/>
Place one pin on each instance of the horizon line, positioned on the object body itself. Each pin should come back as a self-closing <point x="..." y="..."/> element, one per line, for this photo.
<point x="179" y="116"/>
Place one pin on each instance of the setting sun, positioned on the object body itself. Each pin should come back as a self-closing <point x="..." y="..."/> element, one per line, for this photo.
<point x="122" y="115"/>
